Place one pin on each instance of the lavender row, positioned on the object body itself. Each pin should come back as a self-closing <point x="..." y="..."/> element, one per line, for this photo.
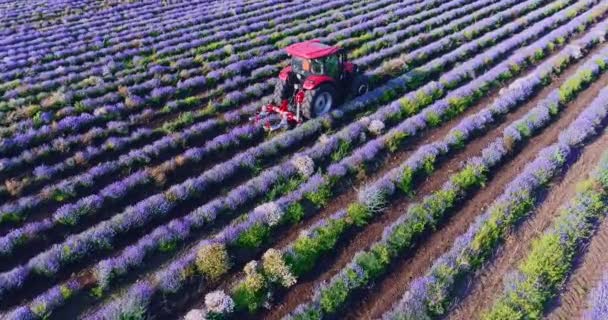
<point x="199" y="21"/>
<point x="214" y="75"/>
<point x="553" y="252"/>
<point x="36" y="37"/>
<point x="298" y="257"/>
<point x="45" y="173"/>
<point x="398" y="31"/>
<point x="62" y="145"/>
<point x="71" y="214"/>
<point x="477" y="244"/>
<point x="155" y="207"/>
<point x="162" y="94"/>
<point x="597" y="299"/>
<point x="69" y="188"/>
<point x="187" y="36"/>
<point x="30" y="206"/>
<point x="101" y="68"/>
<point x="391" y="66"/>
<point x="179" y="265"/>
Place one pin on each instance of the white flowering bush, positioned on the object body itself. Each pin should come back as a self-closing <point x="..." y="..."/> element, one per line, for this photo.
<point x="576" y="50"/>
<point x="276" y="270"/>
<point x="304" y="164"/>
<point x="219" y="302"/>
<point x="195" y="314"/>
<point x="271" y="211"/>
<point x="376" y="127"/>
<point x="373" y="198"/>
<point x="323" y="138"/>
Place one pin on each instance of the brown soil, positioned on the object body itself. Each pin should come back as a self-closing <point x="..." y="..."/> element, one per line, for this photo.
<point x="383" y="295"/>
<point x="588" y="270"/>
<point x="489" y="282"/>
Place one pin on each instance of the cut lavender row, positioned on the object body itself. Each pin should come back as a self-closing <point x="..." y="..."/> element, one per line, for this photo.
<point x="69" y="188"/>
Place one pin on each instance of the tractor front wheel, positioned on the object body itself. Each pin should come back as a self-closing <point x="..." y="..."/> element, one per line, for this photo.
<point x="360" y="85"/>
<point x="318" y="101"/>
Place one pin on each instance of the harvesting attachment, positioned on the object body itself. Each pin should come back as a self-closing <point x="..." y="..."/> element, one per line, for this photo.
<point x="318" y="78"/>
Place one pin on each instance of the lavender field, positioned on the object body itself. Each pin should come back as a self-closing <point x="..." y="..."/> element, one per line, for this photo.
<point x="469" y="182"/>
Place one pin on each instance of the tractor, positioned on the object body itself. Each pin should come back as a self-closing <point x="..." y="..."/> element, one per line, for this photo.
<point x="318" y="79"/>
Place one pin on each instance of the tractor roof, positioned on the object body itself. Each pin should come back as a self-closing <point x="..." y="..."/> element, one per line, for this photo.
<point x="311" y="49"/>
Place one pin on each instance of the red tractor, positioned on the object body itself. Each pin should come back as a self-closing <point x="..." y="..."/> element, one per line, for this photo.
<point x="318" y="78"/>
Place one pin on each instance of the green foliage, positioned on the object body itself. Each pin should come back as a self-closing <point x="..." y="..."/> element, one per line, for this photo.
<point x="375" y="261"/>
<point x="470" y="176"/>
<point x="395" y="140"/>
<point x="334" y="296"/>
<point x="358" y="213"/>
<point x="320" y="197"/>
<point x="573" y="85"/>
<point x="403" y="235"/>
<point x="343" y="149"/>
<point x="254" y="237"/>
<point x="433" y="119"/>
<point x="250" y="295"/>
<point x="167" y="246"/>
<point x="307" y="249"/>
<point x="283" y="187"/>
<point x="406" y="181"/>
<point x="294" y="213"/>
<point x="459" y="139"/>
<point x="458" y="105"/>
<point x="309" y="314"/>
<point x="184" y="119"/>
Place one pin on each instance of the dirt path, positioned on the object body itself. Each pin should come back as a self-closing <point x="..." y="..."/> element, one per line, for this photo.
<point x="489" y="282"/>
<point x="588" y="270"/>
<point x="393" y="286"/>
<point x="382" y="296"/>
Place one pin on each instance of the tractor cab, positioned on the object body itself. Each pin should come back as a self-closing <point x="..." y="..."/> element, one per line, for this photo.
<point x="314" y="58"/>
<point x="317" y="79"/>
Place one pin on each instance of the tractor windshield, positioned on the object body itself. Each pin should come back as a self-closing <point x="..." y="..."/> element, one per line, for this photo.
<point x="306" y="66"/>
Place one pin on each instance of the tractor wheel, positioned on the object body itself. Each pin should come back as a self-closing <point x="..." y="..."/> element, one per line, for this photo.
<point x="359" y="86"/>
<point x="282" y="90"/>
<point x="318" y="101"/>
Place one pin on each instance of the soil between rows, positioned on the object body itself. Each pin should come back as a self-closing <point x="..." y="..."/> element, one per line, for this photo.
<point x="488" y="283"/>
<point x="589" y="267"/>
<point x="389" y="289"/>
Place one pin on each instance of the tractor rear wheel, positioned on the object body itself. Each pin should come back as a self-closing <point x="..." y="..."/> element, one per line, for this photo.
<point x="359" y="86"/>
<point x="318" y="101"/>
<point x="282" y="90"/>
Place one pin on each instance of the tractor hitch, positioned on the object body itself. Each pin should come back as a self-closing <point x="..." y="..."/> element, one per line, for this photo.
<point x="277" y="117"/>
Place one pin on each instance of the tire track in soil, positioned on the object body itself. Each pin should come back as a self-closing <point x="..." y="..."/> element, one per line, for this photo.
<point x="489" y="282"/>
<point x="385" y="292"/>
<point x="589" y="268"/>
